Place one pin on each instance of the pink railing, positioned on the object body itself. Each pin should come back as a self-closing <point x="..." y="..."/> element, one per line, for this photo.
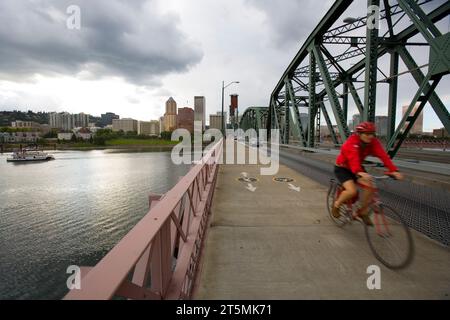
<point x="158" y="258"/>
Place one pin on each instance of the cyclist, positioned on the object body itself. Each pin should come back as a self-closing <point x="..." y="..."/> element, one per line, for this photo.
<point x="349" y="169"/>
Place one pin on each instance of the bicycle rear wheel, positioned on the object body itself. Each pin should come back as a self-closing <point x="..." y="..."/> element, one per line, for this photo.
<point x="333" y="191"/>
<point x="389" y="238"/>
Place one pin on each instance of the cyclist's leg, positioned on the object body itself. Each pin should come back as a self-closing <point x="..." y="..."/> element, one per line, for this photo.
<point x="350" y="191"/>
<point x="366" y="194"/>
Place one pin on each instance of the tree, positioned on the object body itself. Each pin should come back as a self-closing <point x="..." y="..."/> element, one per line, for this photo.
<point x="131" y="134"/>
<point x="99" y="140"/>
<point x="166" y="135"/>
<point x="51" y="134"/>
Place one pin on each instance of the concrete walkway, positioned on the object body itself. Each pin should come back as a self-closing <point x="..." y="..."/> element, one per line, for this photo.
<point x="278" y="243"/>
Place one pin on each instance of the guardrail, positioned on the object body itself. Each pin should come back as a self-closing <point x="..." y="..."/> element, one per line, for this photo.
<point x="158" y="258"/>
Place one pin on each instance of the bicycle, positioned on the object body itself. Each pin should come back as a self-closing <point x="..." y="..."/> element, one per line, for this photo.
<point x="389" y="238"/>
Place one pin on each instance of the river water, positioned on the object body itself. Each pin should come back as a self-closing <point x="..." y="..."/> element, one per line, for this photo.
<point x="71" y="211"/>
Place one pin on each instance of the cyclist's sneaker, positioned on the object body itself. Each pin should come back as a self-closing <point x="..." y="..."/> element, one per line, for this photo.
<point x="366" y="219"/>
<point x="335" y="212"/>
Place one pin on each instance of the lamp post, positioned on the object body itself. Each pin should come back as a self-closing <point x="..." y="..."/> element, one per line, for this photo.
<point x="350" y="20"/>
<point x="223" y="89"/>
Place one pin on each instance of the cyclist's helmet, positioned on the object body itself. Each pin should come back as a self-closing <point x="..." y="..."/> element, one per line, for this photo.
<point x="366" y="127"/>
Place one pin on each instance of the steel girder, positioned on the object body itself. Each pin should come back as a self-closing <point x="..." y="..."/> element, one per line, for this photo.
<point x="312" y="100"/>
<point x="371" y="61"/>
<point x="393" y="85"/>
<point x="361" y="22"/>
<point x="295" y="123"/>
<point x="316" y="88"/>
<point x="331" y="92"/>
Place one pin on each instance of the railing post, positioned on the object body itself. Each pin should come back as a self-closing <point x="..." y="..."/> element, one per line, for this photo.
<point x="153" y="197"/>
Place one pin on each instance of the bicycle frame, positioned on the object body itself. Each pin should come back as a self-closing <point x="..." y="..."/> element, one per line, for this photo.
<point x="375" y="204"/>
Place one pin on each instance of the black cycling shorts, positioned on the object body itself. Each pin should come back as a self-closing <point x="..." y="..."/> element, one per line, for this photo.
<point x="344" y="174"/>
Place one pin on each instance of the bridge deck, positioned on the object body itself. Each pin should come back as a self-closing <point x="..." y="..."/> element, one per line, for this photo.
<point x="277" y="243"/>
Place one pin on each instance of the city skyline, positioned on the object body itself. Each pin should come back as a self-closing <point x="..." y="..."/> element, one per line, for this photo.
<point x="173" y="105"/>
<point x="349" y="122"/>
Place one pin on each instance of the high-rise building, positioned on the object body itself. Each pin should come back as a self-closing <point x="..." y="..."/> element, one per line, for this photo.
<point x="418" y="125"/>
<point x="67" y="121"/>
<point x="219" y="114"/>
<point x="170" y="117"/>
<point x="81" y="120"/>
<point x="144" y="128"/>
<point x="63" y="120"/>
<point x="381" y="122"/>
<point x="107" y="118"/>
<point x="199" y="110"/>
<point x="126" y="125"/>
<point x="154" y="128"/>
<point x="185" y="119"/>
<point x="440" y="133"/>
<point x="54" y="120"/>
<point x="171" y="106"/>
<point x="215" y="121"/>
<point x="170" y="122"/>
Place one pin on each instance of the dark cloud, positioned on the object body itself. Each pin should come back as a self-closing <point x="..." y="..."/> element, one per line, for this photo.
<point x="128" y="39"/>
<point x="291" y="21"/>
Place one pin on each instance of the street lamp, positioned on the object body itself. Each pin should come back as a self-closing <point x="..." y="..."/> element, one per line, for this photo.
<point x="223" y="89"/>
<point x="350" y="20"/>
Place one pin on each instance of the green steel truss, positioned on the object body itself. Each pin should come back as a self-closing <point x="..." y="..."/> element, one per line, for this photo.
<point x="336" y="65"/>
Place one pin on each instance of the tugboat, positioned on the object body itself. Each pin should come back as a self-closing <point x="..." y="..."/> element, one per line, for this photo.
<point x="27" y="155"/>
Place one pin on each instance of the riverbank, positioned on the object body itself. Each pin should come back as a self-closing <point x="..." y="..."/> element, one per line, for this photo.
<point x="128" y="144"/>
<point x="139" y="144"/>
<point x="129" y="147"/>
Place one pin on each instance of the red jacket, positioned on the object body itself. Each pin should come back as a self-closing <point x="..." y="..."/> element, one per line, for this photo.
<point x="354" y="151"/>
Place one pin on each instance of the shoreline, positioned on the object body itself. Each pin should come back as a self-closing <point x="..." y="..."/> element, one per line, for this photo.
<point x="117" y="147"/>
<point x="95" y="147"/>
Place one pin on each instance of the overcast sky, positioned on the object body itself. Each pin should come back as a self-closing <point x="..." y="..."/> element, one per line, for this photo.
<point x="129" y="57"/>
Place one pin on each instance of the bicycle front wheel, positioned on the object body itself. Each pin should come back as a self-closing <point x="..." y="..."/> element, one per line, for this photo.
<point x="389" y="238"/>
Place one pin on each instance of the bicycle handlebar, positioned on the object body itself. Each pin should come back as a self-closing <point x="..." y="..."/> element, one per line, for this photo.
<point x="385" y="176"/>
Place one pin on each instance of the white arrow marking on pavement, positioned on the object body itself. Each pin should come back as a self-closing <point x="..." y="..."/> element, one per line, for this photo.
<point x="292" y="187"/>
<point x="250" y="187"/>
